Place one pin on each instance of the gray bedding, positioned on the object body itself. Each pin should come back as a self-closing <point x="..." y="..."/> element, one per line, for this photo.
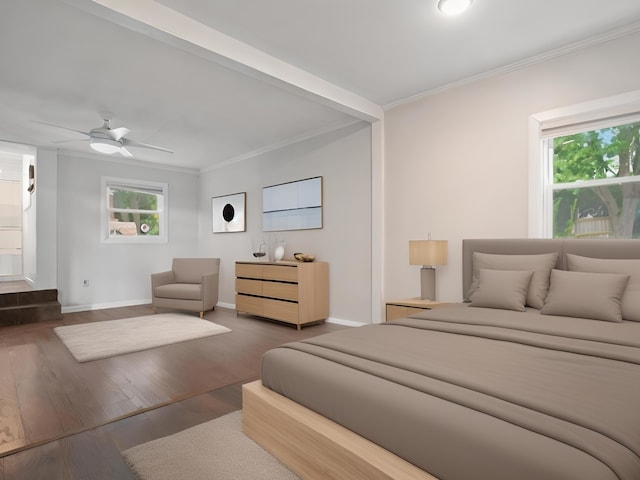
<point x="475" y="393"/>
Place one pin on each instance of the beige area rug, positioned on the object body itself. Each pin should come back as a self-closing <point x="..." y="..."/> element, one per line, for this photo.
<point x="215" y="450"/>
<point x="93" y="341"/>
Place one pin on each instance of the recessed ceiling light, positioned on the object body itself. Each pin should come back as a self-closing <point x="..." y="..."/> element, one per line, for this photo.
<point x="453" y="7"/>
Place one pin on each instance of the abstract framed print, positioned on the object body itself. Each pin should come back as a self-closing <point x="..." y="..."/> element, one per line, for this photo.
<point x="228" y="213"/>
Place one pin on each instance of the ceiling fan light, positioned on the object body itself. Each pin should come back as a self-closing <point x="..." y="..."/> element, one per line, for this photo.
<point x="453" y="7"/>
<point x="105" y="145"/>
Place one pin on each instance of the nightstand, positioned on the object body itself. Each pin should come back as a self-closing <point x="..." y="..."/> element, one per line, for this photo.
<point x="409" y="306"/>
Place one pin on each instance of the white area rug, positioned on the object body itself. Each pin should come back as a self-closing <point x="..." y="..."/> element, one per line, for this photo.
<point x="215" y="450"/>
<point x="92" y="341"/>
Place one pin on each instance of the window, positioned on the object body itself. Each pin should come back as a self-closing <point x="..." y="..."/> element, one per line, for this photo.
<point x="585" y="170"/>
<point x="134" y="211"/>
<point x="595" y="183"/>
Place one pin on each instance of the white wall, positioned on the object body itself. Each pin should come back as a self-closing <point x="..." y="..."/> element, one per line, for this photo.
<point x="117" y="274"/>
<point x="457" y="162"/>
<point x="343" y="159"/>
<point x="41" y="249"/>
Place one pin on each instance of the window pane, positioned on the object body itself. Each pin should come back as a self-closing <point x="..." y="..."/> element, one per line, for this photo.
<point x="135" y="211"/>
<point x="608" y="211"/>
<point x="604" y="208"/>
<point x="597" y="154"/>
<point x="130" y="224"/>
<point x="132" y="199"/>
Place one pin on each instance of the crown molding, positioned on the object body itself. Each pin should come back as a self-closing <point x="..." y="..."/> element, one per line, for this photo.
<point x="282" y="144"/>
<point x="126" y="161"/>
<point x="621" y="32"/>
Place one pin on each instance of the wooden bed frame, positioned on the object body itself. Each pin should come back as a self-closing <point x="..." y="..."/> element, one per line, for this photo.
<point x="313" y="446"/>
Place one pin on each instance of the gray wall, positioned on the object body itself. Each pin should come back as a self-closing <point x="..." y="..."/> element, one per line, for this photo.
<point x="117" y="274"/>
<point x="41" y="261"/>
<point x="343" y="159"/>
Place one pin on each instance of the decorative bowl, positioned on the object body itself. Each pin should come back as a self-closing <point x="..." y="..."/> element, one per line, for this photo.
<point x="304" y="257"/>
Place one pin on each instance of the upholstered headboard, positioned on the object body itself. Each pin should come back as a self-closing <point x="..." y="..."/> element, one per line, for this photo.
<point x="596" y="248"/>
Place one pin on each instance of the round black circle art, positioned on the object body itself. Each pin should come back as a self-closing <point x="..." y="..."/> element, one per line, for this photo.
<point x="228" y="212"/>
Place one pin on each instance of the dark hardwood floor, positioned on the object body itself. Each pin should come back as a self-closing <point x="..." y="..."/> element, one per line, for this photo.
<point x="60" y="419"/>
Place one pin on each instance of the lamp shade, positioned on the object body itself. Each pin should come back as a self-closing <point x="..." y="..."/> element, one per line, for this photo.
<point x="427" y="252"/>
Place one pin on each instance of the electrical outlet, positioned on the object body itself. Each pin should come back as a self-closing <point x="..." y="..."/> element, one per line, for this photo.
<point x="85" y="283"/>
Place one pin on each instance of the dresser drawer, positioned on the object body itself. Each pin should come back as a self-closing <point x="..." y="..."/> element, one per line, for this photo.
<point x="285" y="291"/>
<point x="251" y="287"/>
<point x="249" y="304"/>
<point x="285" y="311"/>
<point x="246" y="270"/>
<point x="279" y="272"/>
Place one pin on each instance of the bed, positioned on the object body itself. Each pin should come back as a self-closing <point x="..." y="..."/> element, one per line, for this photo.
<point x="536" y="375"/>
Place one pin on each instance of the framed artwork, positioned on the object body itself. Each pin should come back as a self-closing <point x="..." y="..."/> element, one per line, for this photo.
<point x="228" y="213"/>
<point x="292" y="206"/>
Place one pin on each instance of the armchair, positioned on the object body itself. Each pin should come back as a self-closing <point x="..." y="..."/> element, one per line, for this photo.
<point x="191" y="284"/>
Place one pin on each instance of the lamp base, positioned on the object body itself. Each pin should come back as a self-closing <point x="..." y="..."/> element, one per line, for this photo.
<point x="428" y="283"/>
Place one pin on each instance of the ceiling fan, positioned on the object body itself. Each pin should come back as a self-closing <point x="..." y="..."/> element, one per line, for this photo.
<point x="105" y="139"/>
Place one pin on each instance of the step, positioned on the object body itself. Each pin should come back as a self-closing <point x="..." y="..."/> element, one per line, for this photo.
<point x="28" y="297"/>
<point x="32" y="306"/>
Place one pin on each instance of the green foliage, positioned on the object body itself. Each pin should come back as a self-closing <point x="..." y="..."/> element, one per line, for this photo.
<point x="612" y="152"/>
<point x="136" y="200"/>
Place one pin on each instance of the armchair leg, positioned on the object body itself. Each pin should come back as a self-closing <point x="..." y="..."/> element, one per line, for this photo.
<point x="153" y="310"/>
<point x="201" y="314"/>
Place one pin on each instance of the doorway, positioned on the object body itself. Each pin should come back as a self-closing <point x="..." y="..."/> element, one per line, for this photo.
<point x="15" y="199"/>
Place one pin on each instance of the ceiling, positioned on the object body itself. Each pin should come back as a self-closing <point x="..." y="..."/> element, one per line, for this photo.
<point x="218" y="81"/>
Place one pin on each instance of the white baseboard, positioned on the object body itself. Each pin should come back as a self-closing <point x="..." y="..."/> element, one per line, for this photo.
<point x="102" y="306"/>
<point x="231" y="306"/>
<point x="347" y="323"/>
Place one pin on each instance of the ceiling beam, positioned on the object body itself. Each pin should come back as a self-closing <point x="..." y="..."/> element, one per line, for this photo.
<point x="162" y="23"/>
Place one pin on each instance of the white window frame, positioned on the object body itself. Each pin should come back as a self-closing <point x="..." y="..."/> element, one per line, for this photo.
<point x="619" y="109"/>
<point x="163" y="211"/>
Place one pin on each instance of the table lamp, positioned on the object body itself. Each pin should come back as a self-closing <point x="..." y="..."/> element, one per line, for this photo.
<point x="427" y="253"/>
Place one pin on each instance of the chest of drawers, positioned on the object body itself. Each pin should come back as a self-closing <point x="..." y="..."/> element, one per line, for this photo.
<point x="292" y="292"/>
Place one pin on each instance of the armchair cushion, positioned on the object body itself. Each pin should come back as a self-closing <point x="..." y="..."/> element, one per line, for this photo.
<point x="181" y="291"/>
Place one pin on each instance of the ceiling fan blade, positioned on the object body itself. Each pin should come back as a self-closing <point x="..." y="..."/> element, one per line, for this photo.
<point x="60" y="126"/>
<point x="125" y="153"/>
<point x="133" y="143"/>
<point x="118" y="133"/>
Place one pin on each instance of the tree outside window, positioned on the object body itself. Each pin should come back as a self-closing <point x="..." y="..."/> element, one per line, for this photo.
<point x="596" y="183"/>
<point x="134" y="210"/>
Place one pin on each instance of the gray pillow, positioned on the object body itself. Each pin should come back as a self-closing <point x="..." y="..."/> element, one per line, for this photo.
<point x="540" y="265"/>
<point x="631" y="298"/>
<point x="505" y="289"/>
<point x="585" y="295"/>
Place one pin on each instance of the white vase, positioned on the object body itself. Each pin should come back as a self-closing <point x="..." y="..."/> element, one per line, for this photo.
<point x="278" y="253"/>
